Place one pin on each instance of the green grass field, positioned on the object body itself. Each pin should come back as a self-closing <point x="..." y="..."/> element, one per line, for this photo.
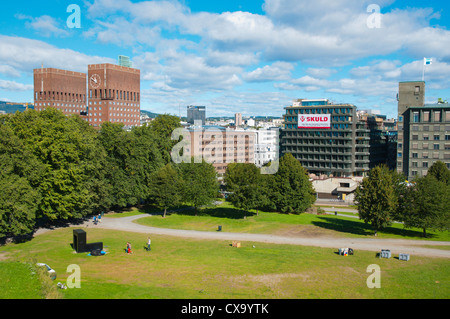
<point x="181" y="268"/>
<point x="235" y="220"/>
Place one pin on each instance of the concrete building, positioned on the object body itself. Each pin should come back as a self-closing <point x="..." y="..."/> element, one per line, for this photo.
<point x="327" y="139"/>
<point x="60" y="89"/>
<point x="114" y="95"/>
<point x="423" y="131"/>
<point x="336" y="188"/>
<point x="196" y="113"/>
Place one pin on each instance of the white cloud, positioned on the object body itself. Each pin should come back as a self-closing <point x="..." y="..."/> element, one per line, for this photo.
<point x="44" y="25"/>
<point x="16" y="58"/>
<point x="275" y="72"/>
<point x="14" y="86"/>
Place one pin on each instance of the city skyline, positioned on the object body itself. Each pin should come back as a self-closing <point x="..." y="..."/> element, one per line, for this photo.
<point x="249" y="57"/>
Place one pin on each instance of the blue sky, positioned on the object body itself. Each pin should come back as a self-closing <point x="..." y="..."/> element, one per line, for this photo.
<point x="246" y="56"/>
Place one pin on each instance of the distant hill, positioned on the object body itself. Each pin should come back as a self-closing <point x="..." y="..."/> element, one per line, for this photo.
<point x="150" y="114"/>
<point x="12" y="108"/>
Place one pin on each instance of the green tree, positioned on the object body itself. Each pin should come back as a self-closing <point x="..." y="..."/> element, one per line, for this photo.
<point x="71" y="157"/>
<point x="166" y="188"/>
<point x="440" y="171"/>
<point x="131" y="159"/>
<point x="19" y="176"/>
<point x="428" y="205"/>
<point x="201" y="186"/>
<point x="162" y="127"/>
<point x="376" y="198"/>
<point x="247" y="186"/>
<point x="290" y="189"/>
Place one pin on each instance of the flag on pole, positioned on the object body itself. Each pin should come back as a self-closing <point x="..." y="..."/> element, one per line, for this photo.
<point x="426" y="61"/>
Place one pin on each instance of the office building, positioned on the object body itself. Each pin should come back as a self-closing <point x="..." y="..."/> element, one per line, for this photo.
<point x="327" y="139"/>
<point x="220" y="146"/>
<point x="423" y="131"/>
<point x="114" y="95"/>
<point x="382" y="138"/>
<point x="60" y="89"/>
<point x="196" y="113"/>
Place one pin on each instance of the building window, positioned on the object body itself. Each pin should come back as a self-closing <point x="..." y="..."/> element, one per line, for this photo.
<point x="416" y="117"/>
<point x="416" y="90"/>
<point x="425" y="164"/>
<point x="437" y="116"/>
<point x="436" y="137"/>
<point x="436" y="146"/>
<point x="415" y="155"/>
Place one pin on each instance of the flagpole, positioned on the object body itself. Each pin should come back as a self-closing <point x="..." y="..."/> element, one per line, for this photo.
<point x="423" y="70"/>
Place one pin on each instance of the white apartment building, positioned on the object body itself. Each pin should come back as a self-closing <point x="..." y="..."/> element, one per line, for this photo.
<point x="266" y="145"/>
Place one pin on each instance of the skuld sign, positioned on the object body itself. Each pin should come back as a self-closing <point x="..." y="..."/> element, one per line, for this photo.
<point x="314" y="121"/>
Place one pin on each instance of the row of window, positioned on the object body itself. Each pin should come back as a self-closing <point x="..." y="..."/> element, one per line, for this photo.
<point x="427" y="116"/>
<point x="115" y="103"/>
<point x="114" y="94"/>
<point x="334" y="110"/>
<point x="60" y="96"/>
<point x="425" y="155"/>
<point x="436" y="137"/>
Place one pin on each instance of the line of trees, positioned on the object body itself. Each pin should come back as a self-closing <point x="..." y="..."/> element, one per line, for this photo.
<point x="384" y="196"/>
<point x="55" y="168"/>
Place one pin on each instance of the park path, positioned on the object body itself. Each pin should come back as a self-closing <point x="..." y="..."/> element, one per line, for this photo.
<point x="412" y="247"/>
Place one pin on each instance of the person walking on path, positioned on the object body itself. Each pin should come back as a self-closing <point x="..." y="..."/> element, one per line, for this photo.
<point x="129" y="248"/>
<point x="149" y="242"/>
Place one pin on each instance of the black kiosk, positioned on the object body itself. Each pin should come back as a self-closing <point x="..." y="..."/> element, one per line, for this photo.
<point x="80" y="244"/>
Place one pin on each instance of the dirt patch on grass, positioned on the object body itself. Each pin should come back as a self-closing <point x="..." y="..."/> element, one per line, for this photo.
<point x="305" y="231"/>
<point x="4" y="256"/>
<point x="272" y="285"/>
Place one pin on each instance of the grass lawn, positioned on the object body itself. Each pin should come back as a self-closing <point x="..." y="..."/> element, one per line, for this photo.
<point x="193" y="269"/>
<point x="19" y="280"/>
<point x="235" y="220"/>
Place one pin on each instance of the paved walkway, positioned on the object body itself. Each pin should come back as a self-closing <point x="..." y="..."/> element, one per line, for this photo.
<point x="412" y="247"/>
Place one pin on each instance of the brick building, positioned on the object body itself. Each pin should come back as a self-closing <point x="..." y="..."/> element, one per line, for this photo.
<point x="111" y="93"/>
<point x="114" y="94"/>
<point x="60" y="89"/>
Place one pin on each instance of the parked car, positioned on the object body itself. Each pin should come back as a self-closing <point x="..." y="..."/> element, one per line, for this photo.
<point x="51" y="272"/>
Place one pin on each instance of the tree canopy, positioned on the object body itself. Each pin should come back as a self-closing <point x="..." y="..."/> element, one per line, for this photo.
<point x="376" y="198"/>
